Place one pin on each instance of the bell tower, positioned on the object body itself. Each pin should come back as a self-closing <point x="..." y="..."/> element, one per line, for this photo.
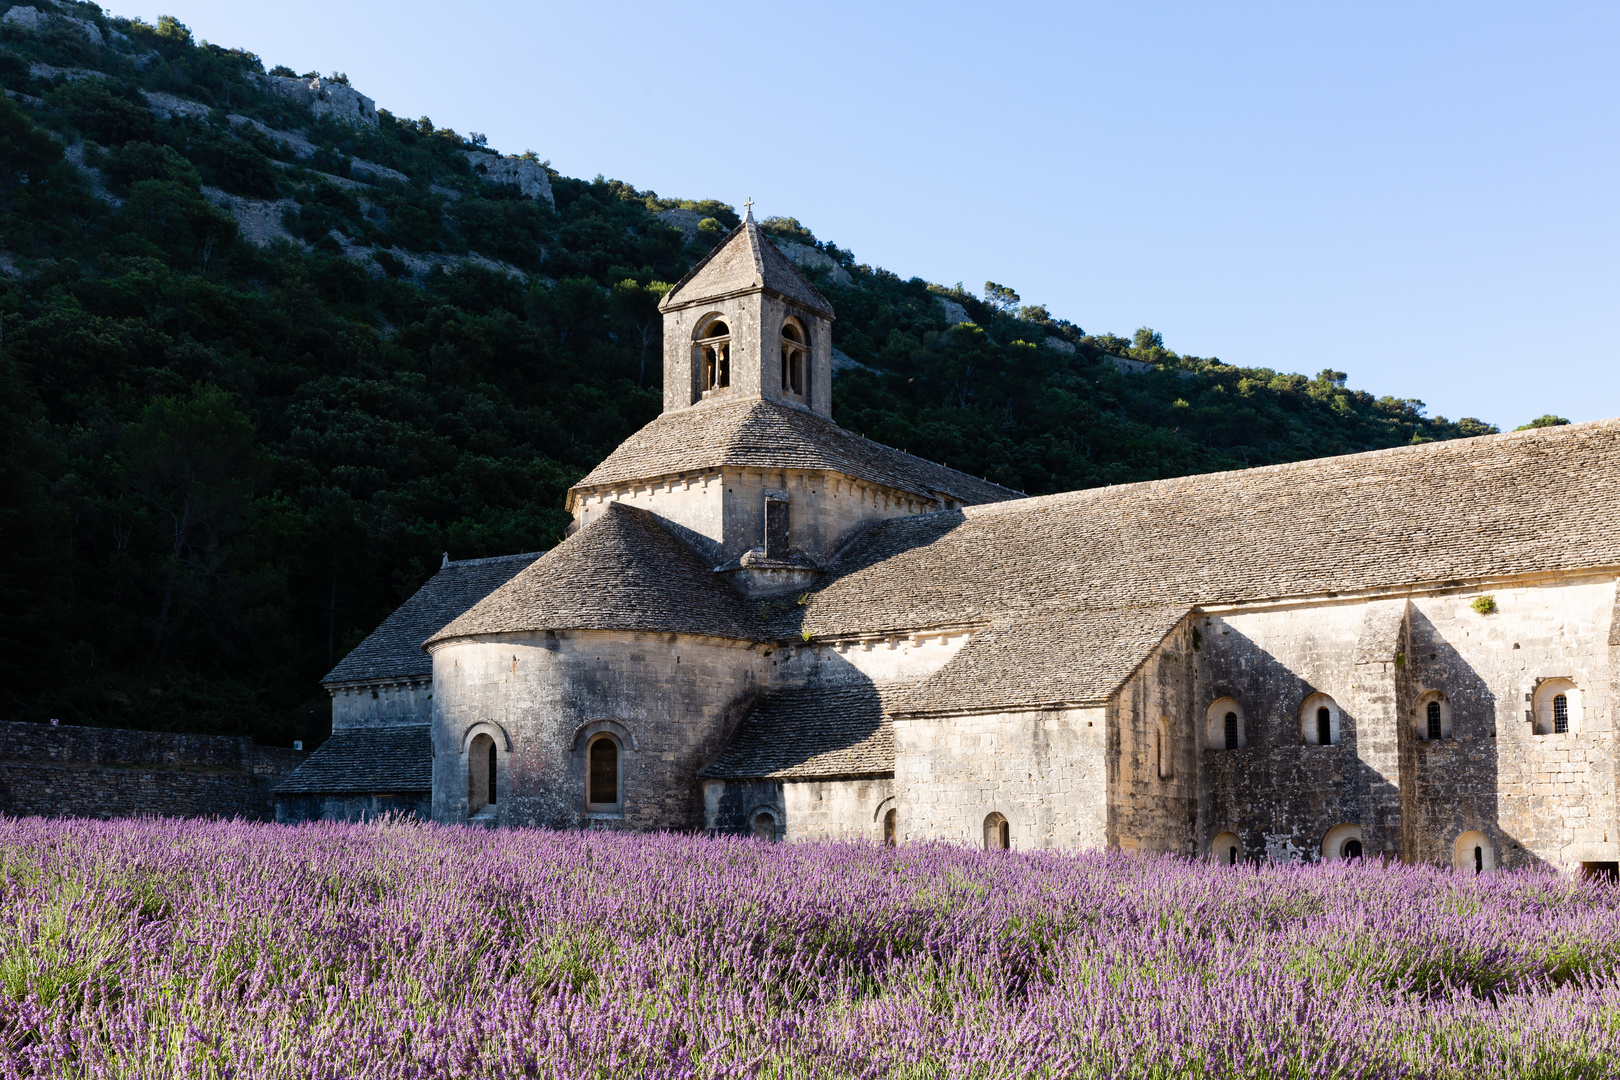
<point x="744" y="324"/>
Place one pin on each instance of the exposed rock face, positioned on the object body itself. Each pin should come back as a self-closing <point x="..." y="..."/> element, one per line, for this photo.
<point x="258" y="221"/>
<point x="321" y="97"/>
<point x="523" y="173"/>
<point x="166" y="106"/>
<point x="34" y="20"/>
<point x="842" y="362"/>
<point x="954" y="312"/>
<point x="803" y="255"/>
<point x="685" y="220"/>
<point x="1060" y="345"/>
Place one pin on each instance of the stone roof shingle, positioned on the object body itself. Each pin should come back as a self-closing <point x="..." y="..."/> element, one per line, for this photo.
<point x="825" y="731"/>
<point x="1044" y="658"/>
<point x="620" y="572"/>
<point x="743" y="260"/>
<point x="1492" y="507"/>
<point x="394" y="649"/>
<point x="759" y="434"/>
<point x="381" y="760"/>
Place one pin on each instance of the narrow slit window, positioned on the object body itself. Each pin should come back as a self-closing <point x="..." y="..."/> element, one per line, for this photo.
<point x="1231" y="731"/>
<point x="1324" y="726"/>
<point x="1231" y="856"/>
<point x="1560" y="715"/>
<point x="492" y="797"/>
<point x="1434" y="720"/>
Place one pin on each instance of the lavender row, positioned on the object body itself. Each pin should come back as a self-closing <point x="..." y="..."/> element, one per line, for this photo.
<point x="167" y="948"/>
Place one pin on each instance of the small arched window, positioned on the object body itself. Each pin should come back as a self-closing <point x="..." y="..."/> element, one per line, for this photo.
<point x="1224" y="725"/>
<point x="997" y="833"/>
<point x="1226" y="849"/>
<point x="764" y="826"/>
<point x="1342" y="842"/>
<point x="795" y="360"/>
<point x="602" y="775"/>
<point x="1318" y="721"/>
<point x="1434" y="721"/>
<point x="481" y="760"/>
<point x="1166" y="750"/>
<point x="1556" y="707"/>
<point x="714" y="355"/>
<point x="891" y="826"/>
<point x="1472" y="851"/>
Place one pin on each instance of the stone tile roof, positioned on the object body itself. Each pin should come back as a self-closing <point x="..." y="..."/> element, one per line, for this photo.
<point x="743" y="261"/>
<point x="1044" y="658"/>
<point x="394" y="649"/>
<point x="802" y="734"/>
<point x="1495" y="506"/>
<point x="759" y="434"/>
<point x="620" y="572"/>
<point x="378" y="760"/>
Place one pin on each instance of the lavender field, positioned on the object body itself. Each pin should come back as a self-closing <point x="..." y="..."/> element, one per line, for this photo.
<point x="164" y="948"/>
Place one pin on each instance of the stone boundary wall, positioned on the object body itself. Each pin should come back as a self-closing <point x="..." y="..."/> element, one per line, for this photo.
<point x="68" y="771"/>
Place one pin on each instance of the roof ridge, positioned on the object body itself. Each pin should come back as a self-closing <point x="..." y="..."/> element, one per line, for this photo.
<point x="492" y="559"/>
<point x="1438" y="446"/>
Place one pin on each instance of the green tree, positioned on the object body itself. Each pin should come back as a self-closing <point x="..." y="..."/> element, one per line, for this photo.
<point x="1545" y="420"/>
<point x="1000" y="298"/>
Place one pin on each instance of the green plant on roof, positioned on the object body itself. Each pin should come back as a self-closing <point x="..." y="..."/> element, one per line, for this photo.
<point x="1484" y="604"/>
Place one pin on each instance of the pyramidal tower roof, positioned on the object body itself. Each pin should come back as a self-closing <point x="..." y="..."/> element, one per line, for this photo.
<point x="745" y="261"/>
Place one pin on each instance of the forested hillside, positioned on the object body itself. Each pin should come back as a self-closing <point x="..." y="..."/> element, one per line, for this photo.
<point x="263" y="365"/>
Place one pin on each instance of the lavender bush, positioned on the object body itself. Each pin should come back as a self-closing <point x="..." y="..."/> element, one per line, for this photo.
<point x="167" y="948"/>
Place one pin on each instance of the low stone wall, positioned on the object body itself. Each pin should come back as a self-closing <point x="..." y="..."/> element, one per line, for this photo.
<point x="68" y="771"/>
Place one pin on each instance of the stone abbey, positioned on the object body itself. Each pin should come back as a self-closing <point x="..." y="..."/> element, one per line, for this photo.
<point x="762" y="623"/>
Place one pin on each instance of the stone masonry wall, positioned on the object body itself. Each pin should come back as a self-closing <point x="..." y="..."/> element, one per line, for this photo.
<point x="1044" y="771"/>
<point x="1149" y="811"/>
<point x="1538" y="798"/>
<point x="671" y="700"/>
<point x="1279" y="794"/>
<point x="401" y="703"/>
<point x="805" y="810"/>
<point x="107" y="773"/>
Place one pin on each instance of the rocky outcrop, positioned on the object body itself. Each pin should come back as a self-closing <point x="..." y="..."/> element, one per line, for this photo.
<point x="258" y="221"/>
<point x="954" y="312"/>
<point x="1058" y="344"/>
<point x="523" y="173"/>
<point x="685" y="220"/>
<point x="809" y="258"/>
<point x="167" y="106"/>
<point x="34" y="20"/>
<point x="324" y="98"/>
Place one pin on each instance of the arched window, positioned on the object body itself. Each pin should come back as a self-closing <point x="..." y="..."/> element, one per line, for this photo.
<point x="997" y="833"/>
<point x="764" y="826"/>
<point x="1342" y="842"/>
<point x="1472" y="851"/>
<point x="795" y="359"/>
<point x="1318" y="721"/>
<point x="1226" y="849"/>
<point x="714" y="355"/>
<point x="1432" y="717"/>
<point x="1557" y="707"/>
<point x="480" y="773"/>
<point x="1224" y="725"/>
<point x="1167" y="753"/>
<point x="891" y="826"/>
<point x="602" y="775"/>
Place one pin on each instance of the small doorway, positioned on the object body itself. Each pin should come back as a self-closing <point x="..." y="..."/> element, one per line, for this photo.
<point x="891" y="826"/>
<point x="997" y="833"/>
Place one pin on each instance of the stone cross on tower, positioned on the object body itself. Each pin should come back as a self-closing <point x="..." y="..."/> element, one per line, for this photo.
<point x="748" y="209"/>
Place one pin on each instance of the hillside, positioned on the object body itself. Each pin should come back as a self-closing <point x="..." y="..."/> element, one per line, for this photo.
<point x="268" y="351"/>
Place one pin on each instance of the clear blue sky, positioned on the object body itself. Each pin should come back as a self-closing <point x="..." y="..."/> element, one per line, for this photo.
<point x="1424" y="196"/>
